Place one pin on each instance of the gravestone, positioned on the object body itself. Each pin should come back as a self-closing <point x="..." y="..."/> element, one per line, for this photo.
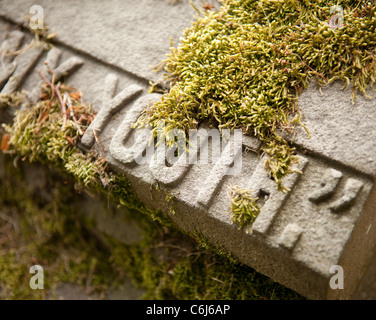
<point x="106" y="49"/>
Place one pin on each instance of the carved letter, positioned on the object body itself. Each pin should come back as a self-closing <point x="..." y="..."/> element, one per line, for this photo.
<point x="110" y="106"/>
<point x="117" y="148"/>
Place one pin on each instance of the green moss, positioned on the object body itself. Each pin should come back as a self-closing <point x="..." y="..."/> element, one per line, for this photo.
<point x="40" y="133"/>
<point x="244" y="207"/>
<point x="14" y="100"/>
<point x="245" y="65"/>
<point x="204" y="243"/>
<point x="170" y="199"/>
<point x="37" y="134"/>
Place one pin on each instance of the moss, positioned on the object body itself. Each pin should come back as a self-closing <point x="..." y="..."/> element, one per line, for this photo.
<point x="12" y="100"/>
<point x="244" y="207"/>
<point x="41" y="133"/>
<point x="170" y="199"/>
<point x="204" y="243"/>
<point x="245" y="65"/>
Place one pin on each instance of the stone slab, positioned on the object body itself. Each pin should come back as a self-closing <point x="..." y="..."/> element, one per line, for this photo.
<point x="299" y="235"/>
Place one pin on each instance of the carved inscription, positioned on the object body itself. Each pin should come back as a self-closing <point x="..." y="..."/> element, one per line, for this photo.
<point x="118" y="149"/>
<point x="229" y="163"/>
<point x="290" y="236"/>
<point x="350" y="192"/>
<point x="328" y="187"/>
<point x="111" y="104"/>
<point x="59" y="71"/>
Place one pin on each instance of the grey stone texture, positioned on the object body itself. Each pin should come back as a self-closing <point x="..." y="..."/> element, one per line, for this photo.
<point x="131" y="35"/>
<point x="340" y="130"/>
<point x="328" y="216"/>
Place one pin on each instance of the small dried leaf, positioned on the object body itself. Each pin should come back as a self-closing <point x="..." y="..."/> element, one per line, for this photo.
<point x="5" y="142"/>
<point x="75" y="95"/>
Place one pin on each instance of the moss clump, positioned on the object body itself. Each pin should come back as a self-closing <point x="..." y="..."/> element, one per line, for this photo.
<point x="48" y="132"/>
<point x="245" y="65"/>
<point x="15" y="100"/>
<point x="244" y="207"/>
<point x="41" y="133"/>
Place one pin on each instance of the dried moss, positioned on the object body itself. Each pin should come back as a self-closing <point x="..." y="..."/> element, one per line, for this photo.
<point x="245" y="65"/>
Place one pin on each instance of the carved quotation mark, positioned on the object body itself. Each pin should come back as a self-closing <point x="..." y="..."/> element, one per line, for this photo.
<point x="352" y="188"/>
<point x="328" y="187"/>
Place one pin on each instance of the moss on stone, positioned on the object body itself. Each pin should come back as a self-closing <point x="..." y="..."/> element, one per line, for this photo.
<point x="56" y="234"/>
<point x="14" y="100"/>
<point x="245" y="65"/>
<point x="37" y="230"/>
<point x="41" y="133"/>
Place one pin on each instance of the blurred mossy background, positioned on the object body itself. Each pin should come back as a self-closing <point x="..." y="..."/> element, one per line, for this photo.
<point x="44" y="220"/>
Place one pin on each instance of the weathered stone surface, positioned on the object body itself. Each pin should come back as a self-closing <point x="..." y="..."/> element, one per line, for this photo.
<point x="132" y="35"/>
<point x="340" y="130"/>
<point x="325" y="219"/>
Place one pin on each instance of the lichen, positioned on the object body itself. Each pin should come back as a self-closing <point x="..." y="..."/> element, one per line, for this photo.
<point x="245" y="66"/>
